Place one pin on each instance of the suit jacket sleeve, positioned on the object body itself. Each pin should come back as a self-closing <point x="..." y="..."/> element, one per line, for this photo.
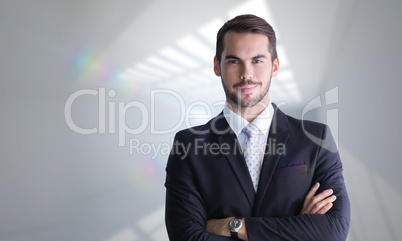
<point x="333" y="225"/>
<point x="185" y="215"/>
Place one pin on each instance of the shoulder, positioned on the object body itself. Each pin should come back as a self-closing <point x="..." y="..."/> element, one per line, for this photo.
<point x="307" y="131"/>
<point x="300" y="129"/>
<point x="301" y="125"/>
<point x="284" y="121"/>
<point x="216" y="126"/>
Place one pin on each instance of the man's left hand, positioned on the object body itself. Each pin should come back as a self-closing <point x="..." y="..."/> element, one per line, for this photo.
<point x="219" y="226"/>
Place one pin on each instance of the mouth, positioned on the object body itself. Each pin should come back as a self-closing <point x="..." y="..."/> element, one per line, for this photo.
<point x="246" y="89"/>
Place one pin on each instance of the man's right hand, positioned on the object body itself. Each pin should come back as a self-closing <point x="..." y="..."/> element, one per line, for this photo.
<point x="319" y="204"/>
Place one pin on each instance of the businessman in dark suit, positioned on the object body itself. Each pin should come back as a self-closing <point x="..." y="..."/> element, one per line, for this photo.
<point x="252" y="172"/>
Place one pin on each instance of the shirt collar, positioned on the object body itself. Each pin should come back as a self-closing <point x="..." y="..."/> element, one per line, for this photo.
<point x="237" y="123"/>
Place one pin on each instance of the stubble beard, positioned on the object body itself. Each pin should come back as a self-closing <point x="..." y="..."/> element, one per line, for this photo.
<point x="248" y="101"/>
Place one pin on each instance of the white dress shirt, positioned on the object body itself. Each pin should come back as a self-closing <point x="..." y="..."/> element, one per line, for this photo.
<point x="262" y="121"/>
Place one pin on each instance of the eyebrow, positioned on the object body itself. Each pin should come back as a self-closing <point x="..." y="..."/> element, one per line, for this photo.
<point x="255" y="57"/>
<point x="260" y="56"/>
<point x="232" y="57"/>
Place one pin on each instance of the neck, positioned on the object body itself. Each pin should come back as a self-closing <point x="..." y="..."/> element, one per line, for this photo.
<point x="248" y="113"/>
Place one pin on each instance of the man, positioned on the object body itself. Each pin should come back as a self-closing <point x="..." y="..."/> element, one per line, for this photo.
<point x="252" y="173"/>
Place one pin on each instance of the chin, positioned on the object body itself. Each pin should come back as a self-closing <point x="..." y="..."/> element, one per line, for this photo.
<point x="248" y="103"/>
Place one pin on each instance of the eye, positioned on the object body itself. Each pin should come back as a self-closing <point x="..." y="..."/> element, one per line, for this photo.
<point x="233" y="61"/>
<point x="257" y="61"/>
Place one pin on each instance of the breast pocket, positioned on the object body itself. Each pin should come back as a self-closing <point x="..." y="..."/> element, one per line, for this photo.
<point x="291" y="171"/>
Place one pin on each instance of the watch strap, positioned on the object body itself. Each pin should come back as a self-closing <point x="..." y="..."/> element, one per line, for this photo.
<point x="234" y="235"/>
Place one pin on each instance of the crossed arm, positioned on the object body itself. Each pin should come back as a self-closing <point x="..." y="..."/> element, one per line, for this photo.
<point x="321" y="218"/>
<point x="313" y="204"/>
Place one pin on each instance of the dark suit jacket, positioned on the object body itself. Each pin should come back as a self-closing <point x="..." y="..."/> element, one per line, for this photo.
<point x="207" y="178"/>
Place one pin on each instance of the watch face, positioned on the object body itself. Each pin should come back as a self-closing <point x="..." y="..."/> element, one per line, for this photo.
<point x="235" y="223"/>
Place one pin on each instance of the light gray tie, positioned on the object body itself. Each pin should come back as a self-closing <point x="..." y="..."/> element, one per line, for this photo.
<point x="252" y="153"/>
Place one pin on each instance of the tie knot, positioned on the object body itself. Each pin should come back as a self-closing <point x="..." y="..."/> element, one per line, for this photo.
<point x="251" y="130"/>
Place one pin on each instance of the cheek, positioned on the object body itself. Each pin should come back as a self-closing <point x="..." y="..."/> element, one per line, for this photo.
<point x="227" y="74"/>
<point x="231" y="71"/>
<point x="265" y="68"/>
<point x="263" y="72"/>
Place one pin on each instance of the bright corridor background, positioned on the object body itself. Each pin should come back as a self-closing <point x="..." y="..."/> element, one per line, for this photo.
<point x="69" y="67"/>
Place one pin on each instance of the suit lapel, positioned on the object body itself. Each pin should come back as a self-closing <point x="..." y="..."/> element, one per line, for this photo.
<point x="277" y="138"/>
<point x="235" y="156"/>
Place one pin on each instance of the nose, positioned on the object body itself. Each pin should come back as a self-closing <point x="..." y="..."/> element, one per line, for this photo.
<point x="247" y="72"/>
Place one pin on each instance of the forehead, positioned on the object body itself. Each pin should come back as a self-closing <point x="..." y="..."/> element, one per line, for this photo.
<point x="251" y="43"/>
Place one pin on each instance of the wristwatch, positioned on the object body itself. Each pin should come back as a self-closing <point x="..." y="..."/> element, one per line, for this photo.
<point x="234" y="227"/>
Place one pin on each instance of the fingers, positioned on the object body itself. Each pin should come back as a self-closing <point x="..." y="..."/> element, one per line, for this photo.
<point x="325" y="209"/>
<point x="319" y="204"/>
<point x="322" y="206"/>
<point x="312" y="191"/>
<point x="323" y="194"/>
<point x="320" y="200"/>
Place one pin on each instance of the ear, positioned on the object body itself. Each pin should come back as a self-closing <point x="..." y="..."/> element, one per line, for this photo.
<point x="217" y="68"/>
<point x="275" y="67"/>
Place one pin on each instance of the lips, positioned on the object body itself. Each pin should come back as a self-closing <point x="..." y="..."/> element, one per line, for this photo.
<point x="246" y="89"/>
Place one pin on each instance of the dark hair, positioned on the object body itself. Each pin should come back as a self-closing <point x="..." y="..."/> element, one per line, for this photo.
<point x="247" y="23"/>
